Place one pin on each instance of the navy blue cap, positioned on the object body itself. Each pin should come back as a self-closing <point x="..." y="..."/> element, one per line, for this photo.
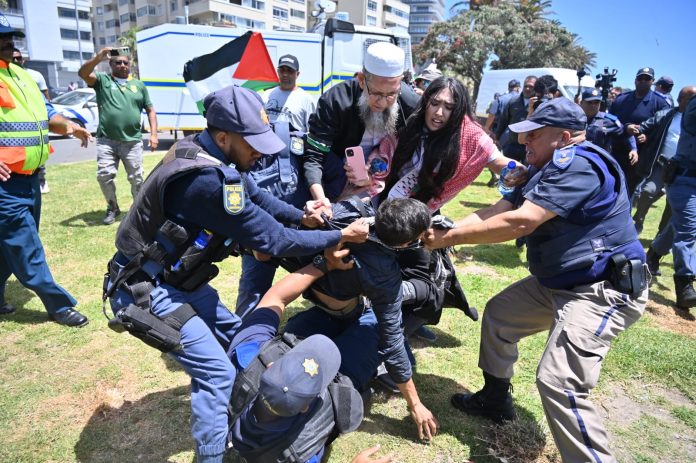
<point x="591" y="94"/>
<point x="513" y="83"/>
<point x="289" y="61"/>
<point x="6" y="28"/>
<point x="558" y="112"/>
<point x="294" y="381"/>
<point x="646" y="72"/>
<point x="240" y="110"/>
<point x="665" y="80"/>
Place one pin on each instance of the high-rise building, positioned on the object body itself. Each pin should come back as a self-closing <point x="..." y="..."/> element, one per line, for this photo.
<point x="113" y="18"/>
<point x="379" y="13"/>
<point x="424" y="13"/>
<point x="58" y="36"/>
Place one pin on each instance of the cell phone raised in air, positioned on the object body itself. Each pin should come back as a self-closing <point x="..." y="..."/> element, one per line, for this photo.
<point x="355" y="158"/>
<point x="120" y="51"/>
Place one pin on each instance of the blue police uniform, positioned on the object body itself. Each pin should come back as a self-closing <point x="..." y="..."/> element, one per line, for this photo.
<point x="217" y="198"/>
<point x="21" y="252"/>
<point x="604" y="128"/>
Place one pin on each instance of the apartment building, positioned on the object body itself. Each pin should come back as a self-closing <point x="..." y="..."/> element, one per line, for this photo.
<point x="423" y="14"/>
<point x="58" y="36"/>
<point x="113" y="18"/>
<point x="380" y="13"/>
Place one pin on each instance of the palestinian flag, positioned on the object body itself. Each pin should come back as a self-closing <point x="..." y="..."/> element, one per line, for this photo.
<point x="243" y="61"/>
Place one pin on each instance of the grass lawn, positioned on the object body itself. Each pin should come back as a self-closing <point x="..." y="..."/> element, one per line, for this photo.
<point x="91" y="395"/>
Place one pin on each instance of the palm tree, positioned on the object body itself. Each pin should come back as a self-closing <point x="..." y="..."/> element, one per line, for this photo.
<point x="128" y="39"/>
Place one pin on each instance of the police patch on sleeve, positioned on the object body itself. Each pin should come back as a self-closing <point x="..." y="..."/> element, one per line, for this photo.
<point x="563" y="158"/>
<point x="297" y="146"/>
<point x="233" y="198"/>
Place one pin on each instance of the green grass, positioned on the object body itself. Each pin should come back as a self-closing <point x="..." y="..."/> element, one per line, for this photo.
<point x="91" y="395"/>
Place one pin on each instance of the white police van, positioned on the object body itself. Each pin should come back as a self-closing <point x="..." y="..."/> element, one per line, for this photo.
<point x="326" y="59"/>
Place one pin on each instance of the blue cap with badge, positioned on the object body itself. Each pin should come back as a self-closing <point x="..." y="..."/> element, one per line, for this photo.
<point x="6" y="28"/>
<point x="591" y="94"/>
<point x="240" y="110"/>
<point x="293" y="382"/>
<point x="558" y="112"/>
<point x="645" y="72"/>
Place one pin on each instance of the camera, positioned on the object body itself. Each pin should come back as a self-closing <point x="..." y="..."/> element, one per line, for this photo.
<point x="604" y="82"/>
<point x="120" y="51"/>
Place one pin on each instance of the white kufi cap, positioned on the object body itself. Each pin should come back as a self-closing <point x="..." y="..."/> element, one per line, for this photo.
<point x="384" y="59"/>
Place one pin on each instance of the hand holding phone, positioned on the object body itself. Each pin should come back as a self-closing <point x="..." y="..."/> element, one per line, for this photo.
<point x="355" y="166"/>
<point x="120" y="51"/>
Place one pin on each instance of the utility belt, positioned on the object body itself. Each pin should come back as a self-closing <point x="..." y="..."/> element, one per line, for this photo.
<point x="672" y="170"/>
<point x="629" y="276"/>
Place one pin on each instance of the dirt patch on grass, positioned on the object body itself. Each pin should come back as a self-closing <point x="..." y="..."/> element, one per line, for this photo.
<point x="672" y="319"/>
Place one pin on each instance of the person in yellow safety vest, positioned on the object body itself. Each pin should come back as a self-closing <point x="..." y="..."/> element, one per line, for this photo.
<point x="25" y="119"/>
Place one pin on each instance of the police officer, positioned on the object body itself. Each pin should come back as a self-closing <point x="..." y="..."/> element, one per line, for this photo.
<point x="192" y="210"/>
<point x="603" y="128"/>
<point x="26" y="120"/>
<point x="576" y="215"/>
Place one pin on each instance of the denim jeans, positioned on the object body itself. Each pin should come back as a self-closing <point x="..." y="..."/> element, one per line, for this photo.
<point x="681" y="195"/>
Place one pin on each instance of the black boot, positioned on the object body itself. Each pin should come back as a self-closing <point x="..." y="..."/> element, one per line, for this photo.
<point x="643" y="204"/>
<point x="653" y="261"/>
<point x="494" y="401"/>
<point x="684" y="287"/>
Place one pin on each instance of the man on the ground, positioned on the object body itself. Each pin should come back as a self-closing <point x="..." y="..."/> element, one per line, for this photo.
<point x="575" y="213"/>
<point x="121" y="100"/>
<point x="24" y="148"/>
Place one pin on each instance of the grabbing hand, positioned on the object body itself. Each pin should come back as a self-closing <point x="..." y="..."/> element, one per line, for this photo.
<point x="364" y="456"/>
<point x="356" y="232"/>
<point x="434" y="238"/>
<point x="336" y="258"/>
<point x="5" y="172"/>
<point x="633" y="157"/>
<point x="632" y="129"/>
<point x="313" y="211"/>
<point x="641" y="138"/>
<point x="425" y="421"/>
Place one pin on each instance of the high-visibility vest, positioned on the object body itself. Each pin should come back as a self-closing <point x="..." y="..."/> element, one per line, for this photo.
<point x="23" y="121"/>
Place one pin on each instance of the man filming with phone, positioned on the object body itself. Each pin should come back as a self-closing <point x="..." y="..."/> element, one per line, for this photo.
<point x="121" y="100"/>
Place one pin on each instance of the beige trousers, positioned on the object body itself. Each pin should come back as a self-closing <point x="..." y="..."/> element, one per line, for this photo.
<point x="582" y="324"/>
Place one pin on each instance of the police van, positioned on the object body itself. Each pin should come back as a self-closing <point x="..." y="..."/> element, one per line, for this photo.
<point x="496" y="81"/>
<point x="328" y="57"/>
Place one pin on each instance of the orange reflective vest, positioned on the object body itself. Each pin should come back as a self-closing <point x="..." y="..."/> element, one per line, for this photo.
<point x="23" y="122"/>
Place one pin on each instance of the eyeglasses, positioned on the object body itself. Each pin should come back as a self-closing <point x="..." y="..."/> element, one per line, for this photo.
<point x="125" y="63"/>
<point x="389" y="97"/>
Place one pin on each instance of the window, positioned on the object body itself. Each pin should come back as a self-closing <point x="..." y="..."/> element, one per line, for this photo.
<point x="250" y="23"/>
<point x="296" y="28"/>
<point x="102" y="40"/>
<point x="301" y="2"/>
<point x="395" y="11"/>
<point x="83" y="14"/>
<point x="371" y="5"/>
<point x="228" y="18"/>
<point x="125" y="18"/>
<point x="112" y="23"/>
<point x="100" y="10"/>
<point x="255" y="4"/>
<point x="123" y="2"/>
<point x="85" y="35"/>
<point x="74" y="55"/>
<point x="280" y="13"/>
<point x="142" y="11"/>
<point x="100" y="25"/>
<point x="371" y="20"/>
<point x="86" y="55"/>
<point x="68" y="34"/>
<point x="111" y="39"/>
<point x="173" y="5"/>
<point x="297" y="13"/>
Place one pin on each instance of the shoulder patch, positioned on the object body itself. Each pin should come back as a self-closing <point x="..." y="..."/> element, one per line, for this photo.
<point x="563" y="158"/>
<point x="297" y="146"/>
<point x="233" y="198"/>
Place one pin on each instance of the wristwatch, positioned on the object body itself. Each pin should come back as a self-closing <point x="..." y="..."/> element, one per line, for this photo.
<point x="319" y="262"/>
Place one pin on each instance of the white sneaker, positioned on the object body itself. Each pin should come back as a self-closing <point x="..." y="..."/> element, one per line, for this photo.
<point x="44" y="188"/>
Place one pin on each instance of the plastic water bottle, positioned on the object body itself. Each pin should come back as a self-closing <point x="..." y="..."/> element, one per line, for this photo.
<point x="502" y="187"/>
<point x="200" y="242"/>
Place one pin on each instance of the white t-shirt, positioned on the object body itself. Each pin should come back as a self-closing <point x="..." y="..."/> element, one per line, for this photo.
<point x="294" y="106"/>
<point x="669" y="143"/>
<point x="38" y="78"/>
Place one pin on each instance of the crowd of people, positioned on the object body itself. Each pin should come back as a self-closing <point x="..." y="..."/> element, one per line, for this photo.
<point x="363" y="242"/>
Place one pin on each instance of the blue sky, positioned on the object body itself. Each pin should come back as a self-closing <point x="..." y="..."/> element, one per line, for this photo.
<point x="630" y="34"/>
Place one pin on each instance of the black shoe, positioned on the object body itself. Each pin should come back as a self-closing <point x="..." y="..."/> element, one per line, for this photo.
<point x="686" y="295"/>
<point x="425" y="334"/>
<point x="7" y="309"/>
<point x="653" y="261"/>
<point x="494" y="401"/>
<point x="111" y="214"/>
<point x="70" y="317"/>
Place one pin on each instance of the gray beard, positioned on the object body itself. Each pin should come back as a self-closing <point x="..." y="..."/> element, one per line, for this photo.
<point x="383" y="123"/>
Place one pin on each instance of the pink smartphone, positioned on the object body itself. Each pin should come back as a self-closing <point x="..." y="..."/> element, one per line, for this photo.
<point x="356" y="160"/>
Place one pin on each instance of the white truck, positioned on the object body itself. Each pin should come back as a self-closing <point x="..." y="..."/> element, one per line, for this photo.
<point x="497" y="81"/>
<point x="325" y="59"/>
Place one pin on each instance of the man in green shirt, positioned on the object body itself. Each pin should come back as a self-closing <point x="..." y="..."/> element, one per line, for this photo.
<point x="121" y="99"/>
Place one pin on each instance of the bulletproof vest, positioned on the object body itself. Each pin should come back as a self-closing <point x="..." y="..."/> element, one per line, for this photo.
<point x="281" y="174"/>
<point x="146" y="226"/>
<point x="338" y="410"/>
<point x="598" y="131"/>
<point x="603" y="223"/>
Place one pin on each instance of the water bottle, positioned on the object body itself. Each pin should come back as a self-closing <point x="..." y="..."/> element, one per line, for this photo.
<point x="200" y="242"/>
<point x="377" y="166"/>
<point x="502" y="187"/>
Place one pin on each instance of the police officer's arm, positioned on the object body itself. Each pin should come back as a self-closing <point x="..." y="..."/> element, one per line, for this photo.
<point x="494" y="224"/>
<point x="87" y="72"/>
<point x="62" y="126"/>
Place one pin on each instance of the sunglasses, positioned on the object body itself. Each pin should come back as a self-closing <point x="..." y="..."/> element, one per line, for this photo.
<point x="120" y="62"/>
<point x="644" y="77"/>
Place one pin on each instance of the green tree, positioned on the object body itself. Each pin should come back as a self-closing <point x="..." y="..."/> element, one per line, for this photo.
<point x="128" y="39"/>
<point x="508" y="34"/>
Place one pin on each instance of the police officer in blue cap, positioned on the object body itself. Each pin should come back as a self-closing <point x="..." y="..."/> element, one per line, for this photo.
<point x="603" y="128"/>
<point x="196" y="208"/>
<point x="588" y="282"/>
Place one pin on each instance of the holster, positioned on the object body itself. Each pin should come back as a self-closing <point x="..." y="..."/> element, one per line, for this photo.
<point x="629" y="276"/>
<point x="162" y="334"/>
<point x="669" y="171"/>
